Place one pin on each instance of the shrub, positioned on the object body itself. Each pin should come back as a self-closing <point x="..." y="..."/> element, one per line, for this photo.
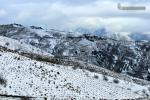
<point x="116" y="81"/>
<point x="95" y="76"/>
<point x="7" y="43"/>
<point x="91" y="69"/>
<point x="105" y="78"/>
<point x="75" y="67"/>
<point x="2" y="81"/>
<point x="18" y="58"/>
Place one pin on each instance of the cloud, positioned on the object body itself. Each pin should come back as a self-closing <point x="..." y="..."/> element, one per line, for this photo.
<point x="117" y="24"/>
<point x="65" y="14"/>
<point x="66" y="2"/>
<point x="2" y="13"/>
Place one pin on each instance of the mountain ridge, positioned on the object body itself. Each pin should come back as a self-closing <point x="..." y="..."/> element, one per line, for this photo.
<point x="120" y="56"/>
<point x="25" y="74"/>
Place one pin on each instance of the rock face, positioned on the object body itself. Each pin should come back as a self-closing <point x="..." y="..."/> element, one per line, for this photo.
<point x="127" y="57"/>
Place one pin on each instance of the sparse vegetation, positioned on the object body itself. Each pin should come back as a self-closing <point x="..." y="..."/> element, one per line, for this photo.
<point x="128" y="88"/>
<point x="105" y="78"/>
<point x="7" y="44"/>
<point x="74" y="67"/>
<point x="2" y="81"/>
<point x="95" y="76"/>
<point x="116" y="81"/>
<point x="58" y="73"/>
<point x="18" y="58"/>
<point x="91" y="69"/>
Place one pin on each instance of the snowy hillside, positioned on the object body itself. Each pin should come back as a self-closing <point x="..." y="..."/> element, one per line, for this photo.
<point x="51" y="64"/>
<point x="120" y="56"/>
<point x="19" y="47"/>
<point x="22" y="76"/>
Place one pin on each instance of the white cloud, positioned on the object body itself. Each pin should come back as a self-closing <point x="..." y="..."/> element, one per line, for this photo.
<point x="24" y="15"/>
<point x="71" y="14"/>
<point x="127" y="24"/>
<point x="117" y="24"/>
<point x="2" y="13"/>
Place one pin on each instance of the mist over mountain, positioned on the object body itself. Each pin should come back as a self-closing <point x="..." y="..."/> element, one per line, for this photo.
<point x="135" y="36"/>
<point x="98" y="32"/>
<point x="140" y="36"/>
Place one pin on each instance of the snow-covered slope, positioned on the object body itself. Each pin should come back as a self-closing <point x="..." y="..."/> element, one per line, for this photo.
<point x="19" y="47"/>
<point x="26" y="77"/>
<point x="120" y="56"/>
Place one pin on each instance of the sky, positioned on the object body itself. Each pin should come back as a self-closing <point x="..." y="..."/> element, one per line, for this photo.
<point x="72" y="14"/>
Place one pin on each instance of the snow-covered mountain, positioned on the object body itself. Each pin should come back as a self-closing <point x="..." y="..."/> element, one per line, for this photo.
<point x="39" y="76"/>
<point x="121" y="56"/>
